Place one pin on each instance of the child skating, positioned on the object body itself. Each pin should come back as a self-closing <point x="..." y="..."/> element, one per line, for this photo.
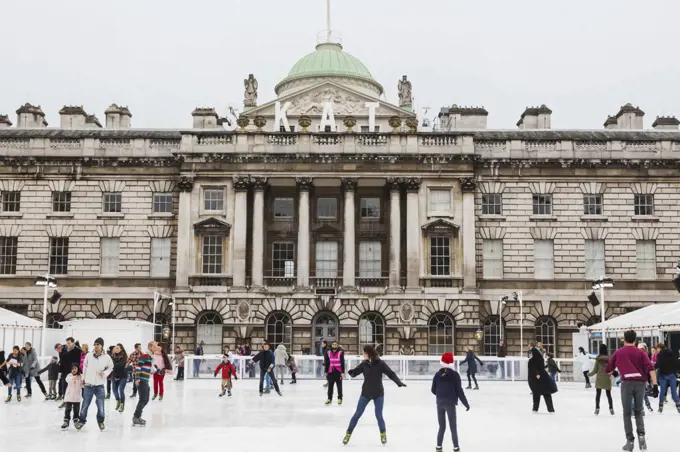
<point x="52" y="376"/>
<point x="228" y="370"/>
<point x="73" y="396"/>
<point x="446" y="385"/>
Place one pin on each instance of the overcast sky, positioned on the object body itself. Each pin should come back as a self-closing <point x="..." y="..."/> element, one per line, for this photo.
<point x="583" y="58"/>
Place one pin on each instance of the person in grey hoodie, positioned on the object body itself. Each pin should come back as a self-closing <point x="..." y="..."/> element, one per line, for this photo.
<point x="31" y="368"/>
<point x="280" y="357"/>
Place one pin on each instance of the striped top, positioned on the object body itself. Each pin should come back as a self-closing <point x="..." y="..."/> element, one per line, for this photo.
<point x="143" y="368"/>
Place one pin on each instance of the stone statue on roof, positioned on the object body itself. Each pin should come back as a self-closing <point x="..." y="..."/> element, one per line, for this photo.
<point x="250" y="96"/>
<point x="405" y="96"/>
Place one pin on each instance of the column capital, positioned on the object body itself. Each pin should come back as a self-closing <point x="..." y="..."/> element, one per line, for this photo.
<point x="395" y="183"/>
<point x="467" y="184"/>
<point x="349" y="183"/>
<point x="185" y="183"/>
<point x="258" y="183"/>
<point x="304" y="183"/>
<point x="413" y="183"/>
<point x="241" y="183"/>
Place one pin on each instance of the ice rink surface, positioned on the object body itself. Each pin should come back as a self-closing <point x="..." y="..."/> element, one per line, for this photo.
<point x="193" y="418"/>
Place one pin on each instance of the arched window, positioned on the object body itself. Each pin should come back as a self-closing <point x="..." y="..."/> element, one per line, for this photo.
<point x="280" y="330"/>
<point x="53" y="320"/>
<point x="106" y="315"/>
<point x="325" y="328"/>
<point x="372" y="332"/>
<point x="209" y="331"/>
<point x="440" y="334"/>
<point x="546" y="332"/>
<point x="493" y="333"/>
<point x="161" y="323"/>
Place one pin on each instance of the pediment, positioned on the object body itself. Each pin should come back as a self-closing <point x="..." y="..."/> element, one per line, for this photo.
<point x="346" y="101"/>
<point x="441" y="226"/>
<point x="212" y="226"/>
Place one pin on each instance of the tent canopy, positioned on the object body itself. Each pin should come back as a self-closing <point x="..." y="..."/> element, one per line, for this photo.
<point x="12" y="319"/>
<point x="661" y="316"/>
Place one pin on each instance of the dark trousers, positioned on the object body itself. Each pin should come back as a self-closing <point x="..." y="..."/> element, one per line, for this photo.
<point x="548" y="402"/>
<point x="144" y="390"/>
<point x="585" y="375"/>
<point x="444" y="410"/>
<point x="37" y="380"/>
<point x="108" y="387"/>
<point x="333" y="379"/>
<point x="633" y="392"/>
<point x="67" y="411"/>
<point x="263" y="373"/>
<point x="471" y="376"/>
<point x="180" y="373"/>
<point x="598" y="394"/>
<point x="3" y="378"/>
<point x="379" y="403"/>
<point x="62" y="384"/>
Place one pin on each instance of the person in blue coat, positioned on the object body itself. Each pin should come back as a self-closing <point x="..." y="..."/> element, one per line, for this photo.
<point x="446" y="385"/>
<point x="471" y="360"/>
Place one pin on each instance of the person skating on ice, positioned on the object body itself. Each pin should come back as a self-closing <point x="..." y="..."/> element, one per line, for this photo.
<point x="586" y="362"/>
<point x="447" y="386"/>
<point x="292" y="366"/>
<point x="161" y="365"/>
<point x="31" y="367"/>
<point x="373" y="369"/>
<point x="280" y="358"/>
<point x="142" y="375"/>
<point x="603" y="381"/>
<point x="119" y="375"/>
<point x="73" y="396"/>
<point x="471" y="360"/>
<point x="334" y="370"/>
<point x="3" y="369"/>
<point x="266" y="360"/>
<point x="634" y="367"/>
<point x="553" y="368"/>
<point x="14" y="373"/>
<point x="70" y="354"/>
<point x="179" y="359"/>
<point x="540" y="382"/>
<point x="52" y="369"/>
<point x="132" y="361"/>
<point x="97" y="367"/>
<point x="228" y="370"/>
<point x="666" y="368"/>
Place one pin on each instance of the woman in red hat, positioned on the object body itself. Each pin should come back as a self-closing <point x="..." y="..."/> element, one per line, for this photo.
<point x="446" y="385"/>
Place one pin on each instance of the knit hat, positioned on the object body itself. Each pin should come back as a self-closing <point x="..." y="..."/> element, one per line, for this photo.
<point x="447" y="360"/>
<point x="99" y="341"/>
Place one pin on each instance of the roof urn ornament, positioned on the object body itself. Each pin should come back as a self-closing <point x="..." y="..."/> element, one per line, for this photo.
<point x="250" y="95"/>
<point x="412" y="124"/>
<point x="260" y="122"/>
<point x="243" y="122"/>
<point x="395" y="123"/>
<point x="349" y="122"/>
<point x="305" y="121"/>
<point x="405" y="96"/>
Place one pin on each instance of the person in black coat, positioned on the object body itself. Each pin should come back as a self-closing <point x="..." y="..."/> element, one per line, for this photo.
<point x="373" y="369"/>
<point x="540" y="382"/>
<point x="471" y="360"/>
<point x="52" y="370"/>
<point x="446" y="385"/>
<point x="266" y="360"/>
<point x="3" y="369"/>
<point x="69" y="355"/>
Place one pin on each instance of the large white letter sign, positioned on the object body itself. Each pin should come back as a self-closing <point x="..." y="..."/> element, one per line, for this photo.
<point x="230" y="123"/>
<point x="372" y="107"/>
<point x="281" y="117"/>
<point x="327" y="118"/>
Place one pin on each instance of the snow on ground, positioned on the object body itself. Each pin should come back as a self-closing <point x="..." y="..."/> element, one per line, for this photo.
<point x="192" y="418"/>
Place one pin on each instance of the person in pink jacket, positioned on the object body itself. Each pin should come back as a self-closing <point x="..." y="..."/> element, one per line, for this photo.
<point x="73" y="396"/>
<point x="83" y="353"/>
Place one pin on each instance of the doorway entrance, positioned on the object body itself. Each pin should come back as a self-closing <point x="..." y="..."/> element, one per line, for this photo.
<point x="325" y="328"/>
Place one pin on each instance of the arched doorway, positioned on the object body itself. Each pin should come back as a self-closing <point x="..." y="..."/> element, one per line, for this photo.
<point x="209" y="331"/>
<point x="279" y="327"/>
<point x="324" y="327"/>
<point x="372" y="332"/>
<point x="440" y="334"/>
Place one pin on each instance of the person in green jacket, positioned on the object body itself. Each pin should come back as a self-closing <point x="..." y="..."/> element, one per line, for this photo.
<point x="552" y="367"/>
<point x="603" y="380"/>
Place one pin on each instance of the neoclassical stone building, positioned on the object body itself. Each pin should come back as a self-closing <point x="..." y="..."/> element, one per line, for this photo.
<point x="349" y="223"/>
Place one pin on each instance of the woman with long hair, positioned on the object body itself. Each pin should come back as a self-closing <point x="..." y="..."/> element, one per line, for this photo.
<point x="373" y="369"/>
<point x="603" y="381"/>
<point x="586" y="364"/>
<point x="161" y="366"/>
<point x="119" y="375"/>
<point x="540" y="382"/>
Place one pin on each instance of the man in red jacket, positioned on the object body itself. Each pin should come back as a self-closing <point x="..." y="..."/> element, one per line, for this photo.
<point x="227" y="371"/>
<point x="634" y="367"/>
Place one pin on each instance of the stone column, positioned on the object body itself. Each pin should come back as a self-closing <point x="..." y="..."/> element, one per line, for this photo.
<point x="348" y="271"/>
<point x="304" y="184"/>
<point x="184" y="232"/>
<point x="394" y="185"/>
<point x="259" y="184"/>
<point x="240" y="187"/>
<point x="467" y="186"/>
<point x="413" y="233"/>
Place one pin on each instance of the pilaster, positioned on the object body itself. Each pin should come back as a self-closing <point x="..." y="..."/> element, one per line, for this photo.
<point x="349" y="185"/>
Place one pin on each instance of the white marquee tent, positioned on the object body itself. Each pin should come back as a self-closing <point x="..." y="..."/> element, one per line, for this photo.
<point x="16" y="329"/>
<point x="657" y="318"/>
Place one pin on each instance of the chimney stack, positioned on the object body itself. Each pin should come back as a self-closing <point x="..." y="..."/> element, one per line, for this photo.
<point x="462" y="118"/>
<point x="5" y="123"/>
<point x="91" y="122"/>
<point x="117" y="117"/>
<point x="629" y="117"/>
<point x="72" y="117"/>
<point x="535" y="118"/>
<point x="30" y="117"/>
<point x="610" y="123"/>
<point x="205" y="118"/>
<point x="666" y="123"/>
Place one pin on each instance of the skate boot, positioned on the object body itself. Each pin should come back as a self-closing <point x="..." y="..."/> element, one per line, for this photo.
<point x="222" y="393"/>
<point x="677" y="407"/>
<point x="154" y="397"/>
<point x="46" y="396"/>
<point x="383" y="438"/>
<point x="267" y="391"/>
<point x="108" y="396"/>
<point x="476" y="388"/>
<point x="59" y="399"/>
<point x="660" y="409"/>
<point x="345" y="440"/>
<point x="456" y="449"/>
<point x="101" y="426"/>
<point x="117" y="405"/>
<point x="229" y="393"/>
<point x="438" y="449"/>
<point x="339" y="401"/>
<point x="642" y="443"/>
<point x="63" y="404"/>
<point x="597" y="411"/>
<point x="649" y="407"/>
<point x="79" y="425"/>
<point x="64" y="426"/>
<point x="279" y="393"/>
<point x="29" y="395"/>
<point x="122" y="408"/>
<point x="293" y="382"/>
<point x="611" y="411"/>
<point x="18" y="397"/>
<point x="281" y="381"/>
<point x="138" y="421"/>
<point x="328" y="401"/>
<point x="9" y="398"/>
<point x="160" y="399"/>
<point x="629" y="446"/>
<point x="468" y="387"/>
<point x="261" y="394"/>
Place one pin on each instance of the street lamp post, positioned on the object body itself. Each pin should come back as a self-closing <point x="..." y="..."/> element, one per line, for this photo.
<point x="601" y="283"/>
<point x="501" y="306"/>
<point x="517" y="296"/>
<point x="159" y="298"/>
<point x="48" y="282"/>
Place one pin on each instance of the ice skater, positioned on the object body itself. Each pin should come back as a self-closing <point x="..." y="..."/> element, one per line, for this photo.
<point x="97" y="367"/>
<point x="30" y="367"/>
<point x="119" y="375"/>
<point x="471" y="360"/>
<point x="3" y="369"/>
<point x="280" y="357"/>
<point x="52" y="369"/>
<point x="553" y="368"/>
<point x="667" y="366"/>
<point x="540" y="382"/>
<point x="603" y="381"/>
<point x="266" y="360"/>
<point x="73" y="396"/>
<point x="373" y="369"/>
<point x="161" y="366"/>
<point x="228" y="370"/>
<point x="142" y="375"/>
<point x="14" y="373"/>
<point x="292" y="366"/>
<point x="446" y="385"/>
<point x="334" y="369"/>
<point x="586" y="362"/>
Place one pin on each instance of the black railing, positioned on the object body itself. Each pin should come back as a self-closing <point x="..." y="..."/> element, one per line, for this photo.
<point x="440" y="281"/>
<point x="280" y="281"/>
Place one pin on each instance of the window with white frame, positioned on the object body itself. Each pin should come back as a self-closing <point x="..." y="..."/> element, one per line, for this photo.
<point x="112" y="202"/>
<point x="542" y="204"/>
<point x="283" y="259"/>
<point x="8" y="255"/>
<point x="370" y="260"/>
<point x="326" y="259"/>
<point x="61" y="201"/>
<point x="370" y="208"/>
<point x="646" y="259"/>
<point x="59" y="256"/>
<point x="546" y="333"/>
<point x="11" y="201"/>
<point x="160" y="257"/>
<point x="213" y="199"/>
<point x="440" y="334"/>
<point x="592" y="204"/>
<point x="544" y="259"/>
<point x="327" y="208"/>
<point x="279" y="327"/>
<point x="644" y="204"/>
<point x="439" y="201"/>
<point x="284" y="208"/>
<point x="594" y="253"/>
<point x="162" y="203"/>
<point x="371" y="330"/>
<point x="212" y="254"/>
<point x="492" y="335"/>
<point x="109" y="255"/>
<point x="493" y="258"/>
<point x="440" y="256"/>
<point x="492" y="204"/>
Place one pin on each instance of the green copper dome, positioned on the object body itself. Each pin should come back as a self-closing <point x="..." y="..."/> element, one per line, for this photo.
<point x="329" y="60"/>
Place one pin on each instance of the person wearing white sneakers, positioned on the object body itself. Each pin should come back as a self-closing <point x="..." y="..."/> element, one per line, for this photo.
<point x="97" y="367"/>
<point x="446" y="385"/>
